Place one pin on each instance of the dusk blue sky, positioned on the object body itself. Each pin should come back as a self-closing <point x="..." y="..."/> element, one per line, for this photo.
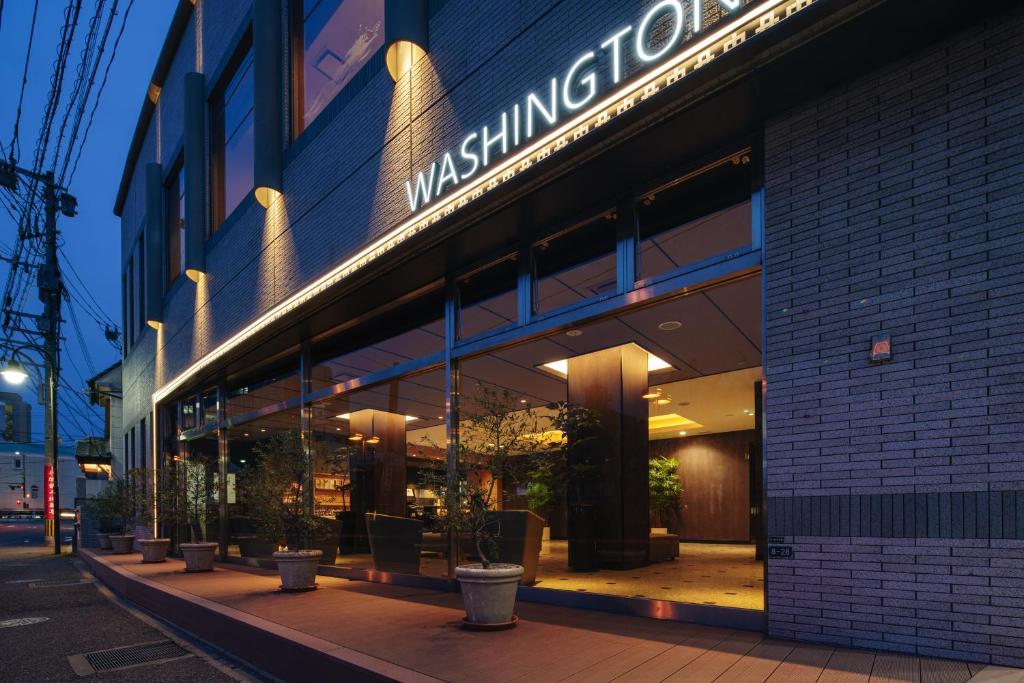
<point x="91" y="239"/>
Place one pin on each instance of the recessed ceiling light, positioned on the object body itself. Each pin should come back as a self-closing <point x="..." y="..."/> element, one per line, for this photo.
<point x="574" y="333"/>
<point x="682" y="433"/>
<point x="522" y="400"/>
<point x="348" y="416"/>
<point x="669" y="325"/>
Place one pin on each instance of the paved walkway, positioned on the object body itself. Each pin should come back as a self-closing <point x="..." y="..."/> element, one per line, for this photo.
<point x="400" y="633"/>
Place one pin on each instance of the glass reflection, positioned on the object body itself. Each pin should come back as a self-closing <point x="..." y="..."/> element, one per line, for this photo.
<point x="234" y="141"/>
<point x="338" y="38"/>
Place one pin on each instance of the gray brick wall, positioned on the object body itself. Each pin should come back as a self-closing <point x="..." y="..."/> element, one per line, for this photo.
<point x="896" y="204"/>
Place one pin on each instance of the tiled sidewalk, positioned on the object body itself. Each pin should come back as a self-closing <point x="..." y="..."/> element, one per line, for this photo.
<point x="379" y="632"/>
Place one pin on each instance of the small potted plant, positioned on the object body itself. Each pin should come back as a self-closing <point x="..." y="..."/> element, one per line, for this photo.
<point x="122" y="500"/>
<point x="665" y="492"/>
<point x="196" y="496"/>
<point x="278" y="490"/>
<point x="103" y="507"/>
<point x="153" y="549"/>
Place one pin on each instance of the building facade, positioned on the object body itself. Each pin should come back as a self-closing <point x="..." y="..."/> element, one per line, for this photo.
<point x="22" y="486"/>
<point x="766" y="252"/>
<point x="17" y="418"/>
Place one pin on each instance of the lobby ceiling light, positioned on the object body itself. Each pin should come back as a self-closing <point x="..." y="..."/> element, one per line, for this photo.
<point x="669" y="325"/>
<point x="671" y="421"/>
<point x="373" y="440"/>
<point x="356" y="437"/>
<point x="405" y="35"/>
<point x="654" y="364"/>
<point x="652" y="393"/>
<point x="348" y="416"/>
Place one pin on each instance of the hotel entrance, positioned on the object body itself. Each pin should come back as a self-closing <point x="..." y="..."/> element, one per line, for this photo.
<point x="601" y="382"/>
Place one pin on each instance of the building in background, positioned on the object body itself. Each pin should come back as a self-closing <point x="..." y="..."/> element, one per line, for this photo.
<point x="773" y="247"/>
<point x="17" y="418"/>
<point x="21" y="478"/>
<point x="104" y="456"/>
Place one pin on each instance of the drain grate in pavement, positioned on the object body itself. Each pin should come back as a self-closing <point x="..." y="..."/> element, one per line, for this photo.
<point x="132" y="655"/>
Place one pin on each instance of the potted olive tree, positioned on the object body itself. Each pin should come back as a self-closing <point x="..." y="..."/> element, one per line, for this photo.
<point x="276" y="489"/>
<point x="144" y="495"/>
<point x="103" y="507"/>
<point x="197" y="498"/>
<point x="498" y="440"/>
<point x="123" y="501"/>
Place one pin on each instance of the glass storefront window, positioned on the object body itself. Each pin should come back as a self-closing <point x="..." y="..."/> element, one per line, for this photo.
<point x="625" y="449"/>
<point x="574" y="265"/>
<point x="401" y="335"/>
<point x="703" y="216"/>
<point x="372" y="448"/>
<point x="265" y="391"/>
<point x="174" y="202"/>
<point x="334" y="40"/>
<point x="233" y="142"/>
<point x="250" y="533"/>
<point x="487" y="298"/>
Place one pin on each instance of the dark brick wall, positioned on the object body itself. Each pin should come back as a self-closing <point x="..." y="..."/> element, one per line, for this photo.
<point x="896" y="204"/>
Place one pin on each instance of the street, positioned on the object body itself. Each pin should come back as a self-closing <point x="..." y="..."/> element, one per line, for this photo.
<point x="50" y="610"/>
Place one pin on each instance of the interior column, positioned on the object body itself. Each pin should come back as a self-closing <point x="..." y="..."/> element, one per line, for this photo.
<point x="614" y="492"/>
<point x="386" y="458"/>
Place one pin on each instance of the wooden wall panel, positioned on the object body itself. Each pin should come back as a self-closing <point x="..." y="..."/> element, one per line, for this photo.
<point x="715" y="473"/>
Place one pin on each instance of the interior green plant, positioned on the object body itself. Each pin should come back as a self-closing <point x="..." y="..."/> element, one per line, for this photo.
<point x="666" y="491"/>
<point x="276" y="490"/>
<point x="502" y="444"/>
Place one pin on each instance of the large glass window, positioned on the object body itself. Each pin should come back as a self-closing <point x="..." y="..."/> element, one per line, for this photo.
<point x="700" y="216"/>
<point x="174" y="203"/>
<point x="267" y="390"/>
<point x="574" y="265"/>
<point x="374" y="452"/>
<point x="401" y="335"/>
<point x="622" y="451"/>
<point x="333" y="40"/>
<point x="487" y="298"/>
<point x="233" y="143"/>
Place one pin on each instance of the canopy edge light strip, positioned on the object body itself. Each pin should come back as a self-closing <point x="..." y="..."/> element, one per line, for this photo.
<point x="670" y="72"/>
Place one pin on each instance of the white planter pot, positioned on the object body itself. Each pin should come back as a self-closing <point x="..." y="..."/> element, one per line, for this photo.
<point x="142" y="532"/>
<point x="104" y="539"/>
<point x="198" y="556"/>
<point x="297" y="569"/>
<point x="489" y="594"/>
<point x="154" y="549"/>
<point x="121" y="545"/>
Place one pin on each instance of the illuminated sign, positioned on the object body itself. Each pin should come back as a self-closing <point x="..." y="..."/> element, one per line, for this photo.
<point x="48" y="491"/>
<point x="672" y="69"/>
<point x="593" y="72"/>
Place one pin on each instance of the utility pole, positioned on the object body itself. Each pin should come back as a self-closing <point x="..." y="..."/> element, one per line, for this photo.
<point x="50" y="295"/>
<point x="51" y="291"/>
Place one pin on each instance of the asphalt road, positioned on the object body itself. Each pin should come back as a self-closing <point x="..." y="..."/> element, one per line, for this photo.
<point x="78" y="616"/>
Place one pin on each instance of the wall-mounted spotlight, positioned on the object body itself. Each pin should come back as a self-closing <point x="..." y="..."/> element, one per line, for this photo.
<point x="267" y="93"/>
<point x="405" y="34"/>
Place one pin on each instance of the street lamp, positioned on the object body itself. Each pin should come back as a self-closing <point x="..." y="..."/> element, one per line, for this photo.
<point x="14" y="372"/>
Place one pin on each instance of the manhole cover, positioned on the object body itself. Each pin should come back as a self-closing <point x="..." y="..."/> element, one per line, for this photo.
<point x="132" y="655"/>
<point x="24" y="621"/>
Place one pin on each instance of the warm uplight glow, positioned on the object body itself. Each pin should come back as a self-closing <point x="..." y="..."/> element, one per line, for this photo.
<point x="155" y="324"/>
<point x="266" y="196"/>
<point x="192" y="274"/>
<point x="14" y="373"/>
<point x="652" y="393"/>
<point x="373" y="440"/>
<point x="356" y="437"/>
<point x="400" y="57"/>
<point x="654" y="364"/>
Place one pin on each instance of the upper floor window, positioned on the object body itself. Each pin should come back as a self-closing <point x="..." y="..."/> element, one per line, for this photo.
<point x="333" y="40"/>
<point x="140" y="282"/>
<point x="233" y="137"/>
<point x="174" y="201"/>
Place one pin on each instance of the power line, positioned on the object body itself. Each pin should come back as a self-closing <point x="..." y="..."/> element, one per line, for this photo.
<point x="24" y="80"/>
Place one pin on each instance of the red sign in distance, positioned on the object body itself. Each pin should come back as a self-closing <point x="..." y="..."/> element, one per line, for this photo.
<point x="48" y="490"/>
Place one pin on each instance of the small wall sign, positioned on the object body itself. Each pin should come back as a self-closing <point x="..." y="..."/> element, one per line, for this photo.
<point x="780" y="551"/>
<point x="776" y="539"/>
<point x="881" y="347"/>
